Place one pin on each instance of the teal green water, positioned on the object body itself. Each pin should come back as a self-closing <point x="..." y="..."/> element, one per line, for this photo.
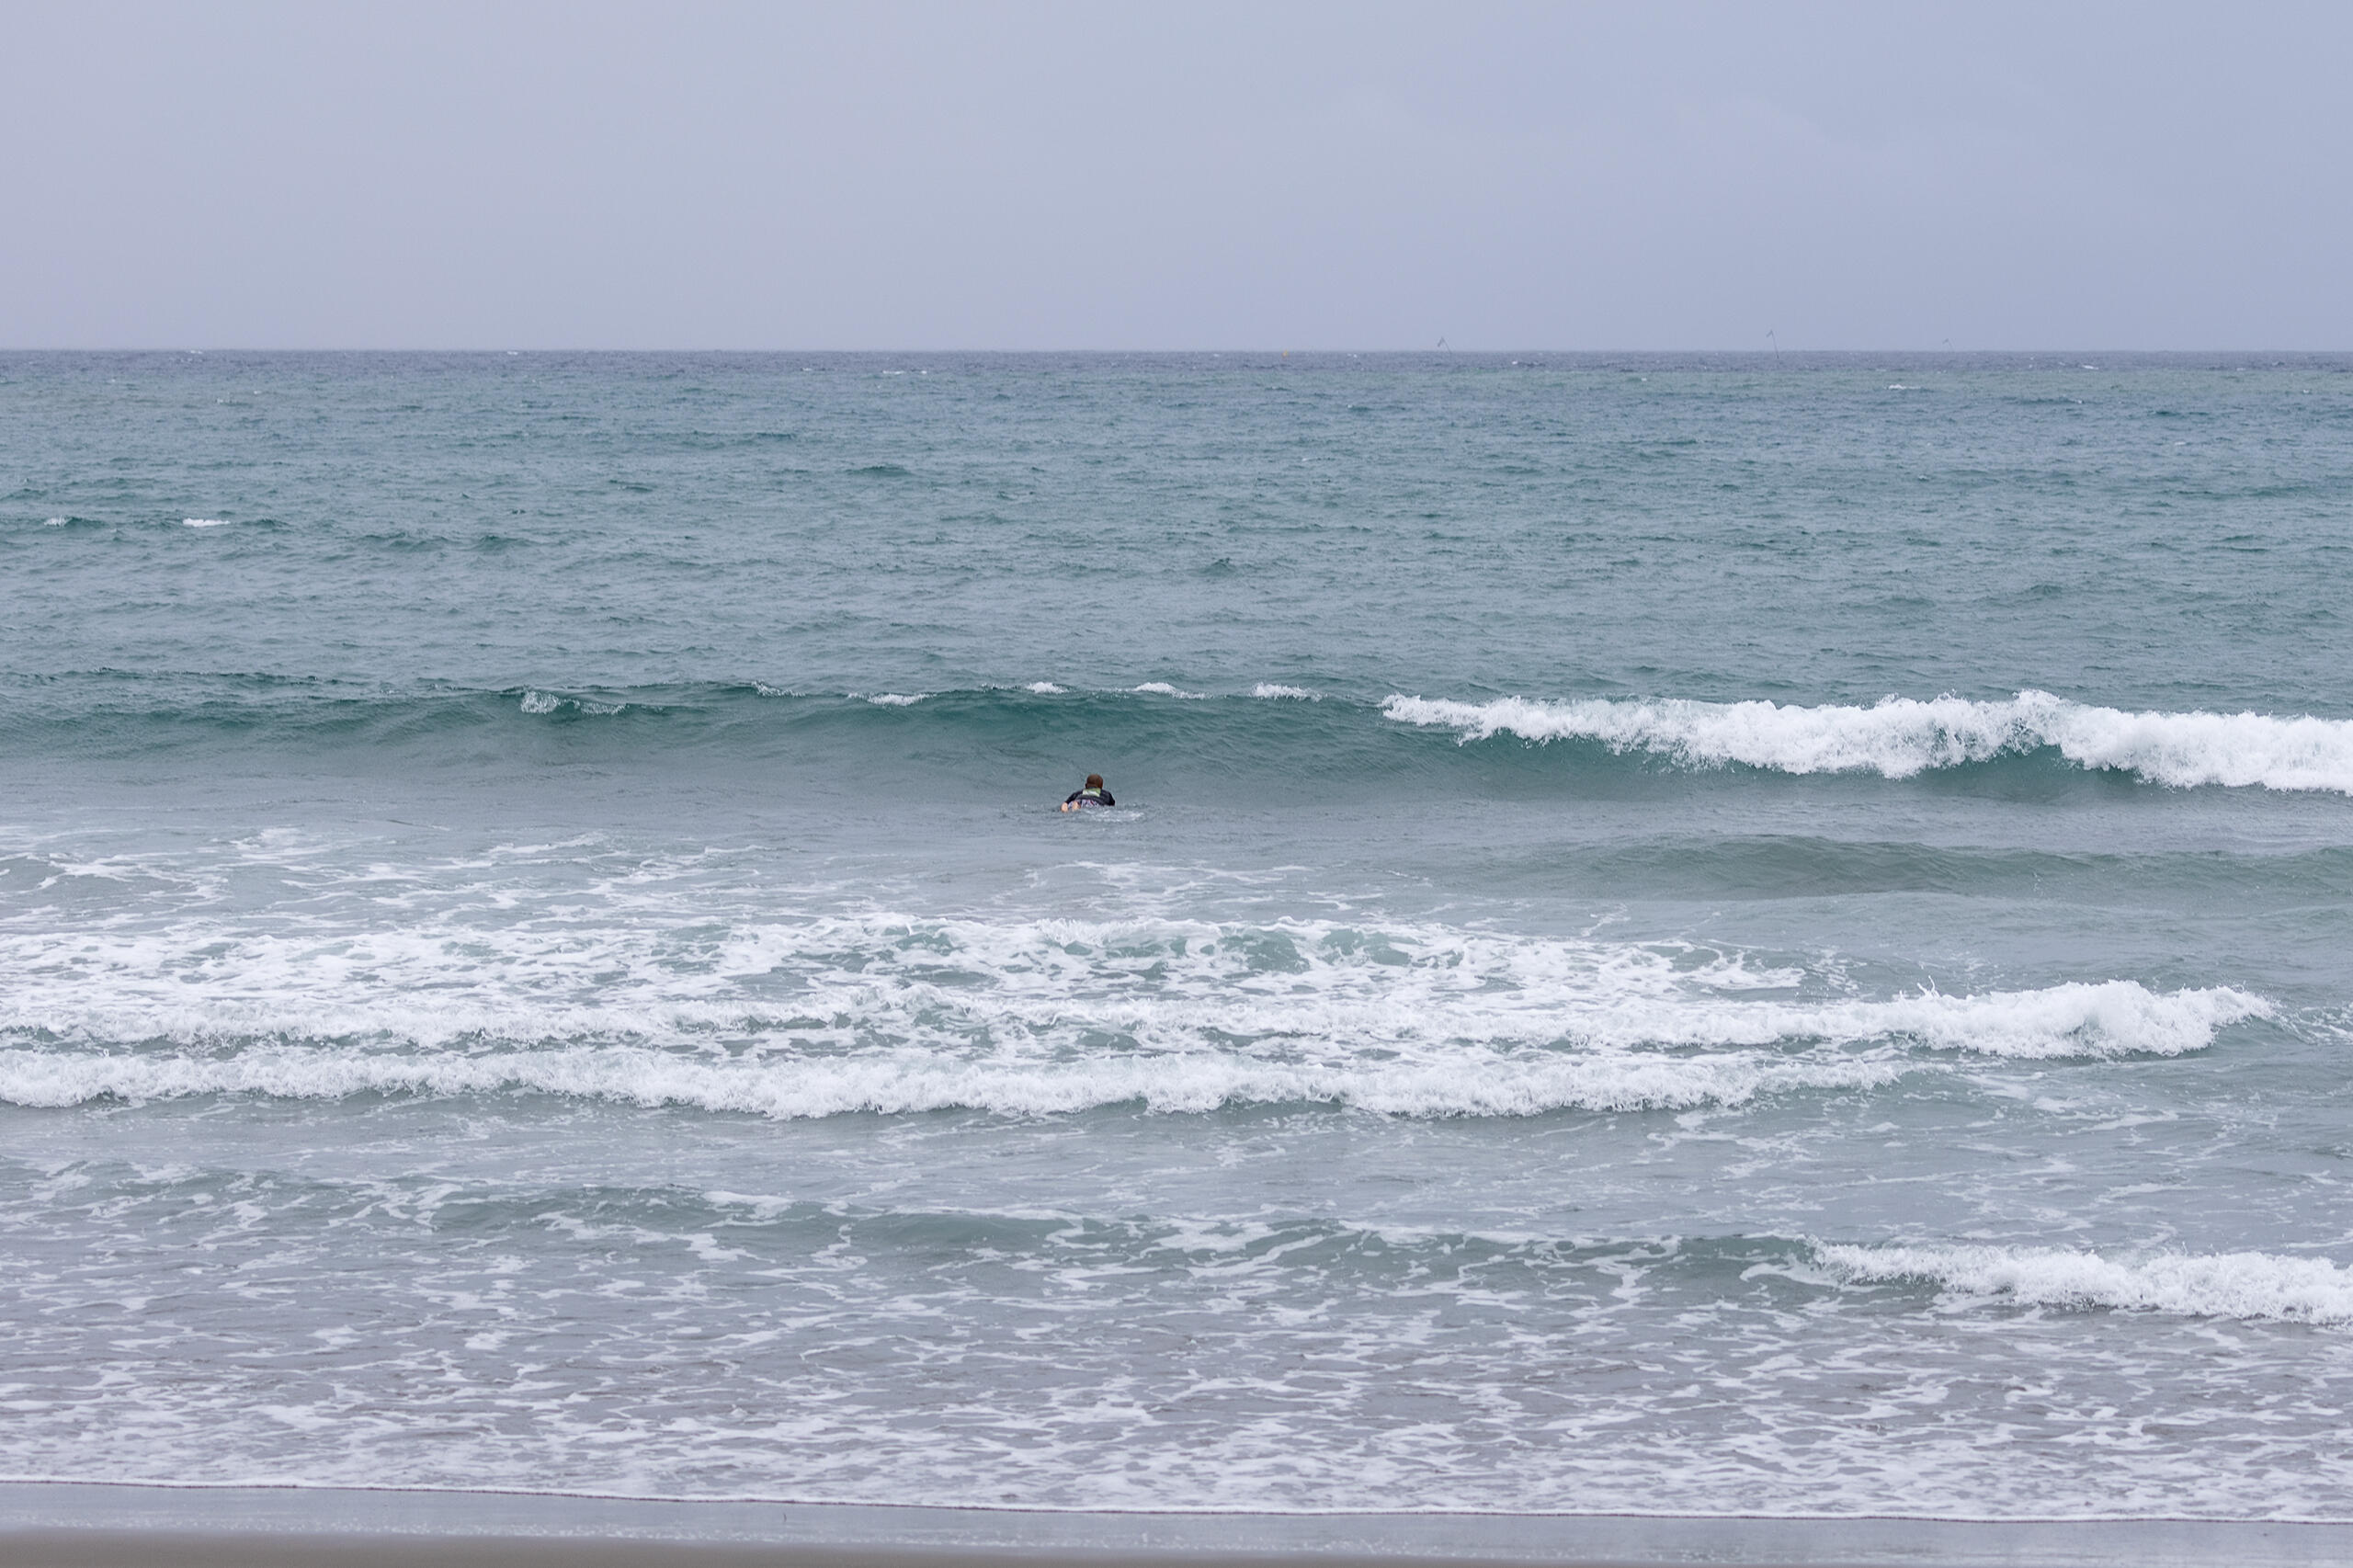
<point x="1710" y="935"/>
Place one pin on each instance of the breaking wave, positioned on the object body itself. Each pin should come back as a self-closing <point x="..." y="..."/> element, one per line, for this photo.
<point x="1902" y="736"/>
<point x="1250" y="742"/>
<point x="2246" y="1285"/>
<point x="821" y="1015"/>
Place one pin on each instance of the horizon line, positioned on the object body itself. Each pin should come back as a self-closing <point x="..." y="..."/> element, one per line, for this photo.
<point x="1765" y="353"/>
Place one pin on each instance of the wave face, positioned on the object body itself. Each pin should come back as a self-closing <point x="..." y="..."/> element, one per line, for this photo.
<point x="537" y="948"/>
<point x="1270" y="742"/>
<point x="1900" y="737"/>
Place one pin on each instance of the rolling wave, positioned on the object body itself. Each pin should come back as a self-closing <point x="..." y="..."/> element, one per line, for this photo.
<point x="1239" y="734"/>
<point x="2251" y="1285"/>
<point x="1900" y="737"/>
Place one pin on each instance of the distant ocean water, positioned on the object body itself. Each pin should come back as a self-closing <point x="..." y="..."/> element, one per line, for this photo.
<point x="1688" y="934"/>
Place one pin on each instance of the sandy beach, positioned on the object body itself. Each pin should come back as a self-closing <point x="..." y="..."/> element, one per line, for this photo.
<point x="75" y="1526"/>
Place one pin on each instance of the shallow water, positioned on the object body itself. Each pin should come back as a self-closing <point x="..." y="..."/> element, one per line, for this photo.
<point x="1680" y="934"/>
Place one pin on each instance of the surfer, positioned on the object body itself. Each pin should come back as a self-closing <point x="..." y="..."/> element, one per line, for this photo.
<point x="1093" y="795"/>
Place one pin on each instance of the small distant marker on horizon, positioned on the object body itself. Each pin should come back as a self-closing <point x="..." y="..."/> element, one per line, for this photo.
<point x="1776" y="342"/>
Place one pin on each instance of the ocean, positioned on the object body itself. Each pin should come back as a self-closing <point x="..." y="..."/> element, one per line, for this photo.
<point x="1681" y="933"/>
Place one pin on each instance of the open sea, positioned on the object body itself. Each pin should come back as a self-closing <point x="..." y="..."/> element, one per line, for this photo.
<point x="1681" y="933"/>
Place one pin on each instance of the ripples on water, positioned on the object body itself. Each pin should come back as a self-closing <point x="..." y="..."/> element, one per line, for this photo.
<point x="1679" y="935"/>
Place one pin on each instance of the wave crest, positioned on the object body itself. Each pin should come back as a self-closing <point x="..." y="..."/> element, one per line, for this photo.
<point x="2247" y="1285"/>
<point x="1900" y="736"/>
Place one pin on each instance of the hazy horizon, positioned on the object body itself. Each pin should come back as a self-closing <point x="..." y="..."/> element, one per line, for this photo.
<point x="1269" y="351"/>
<point x="1055" y="178"/>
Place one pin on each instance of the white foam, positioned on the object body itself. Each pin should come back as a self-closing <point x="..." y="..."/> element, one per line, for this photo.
<point x="54" y="522"/>
<point x="1043" y="689"/>
<point x="898" y="700"/>
<point x="2114" y="1018"/>
<point x="1162" y="689"/>
<point x="535" y="701"/>
<point x="1294" y="693"/>
<point x="880" y="998"/>
<point x="807" y="1015"/>
<point x="913" y="1083"/>
<point x="1900" y="737"/>
<point x="204" y="522"/>
<point x="2248" y="1285"/>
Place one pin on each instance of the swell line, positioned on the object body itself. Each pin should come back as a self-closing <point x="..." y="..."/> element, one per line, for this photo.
<point x="1900" y="737"/>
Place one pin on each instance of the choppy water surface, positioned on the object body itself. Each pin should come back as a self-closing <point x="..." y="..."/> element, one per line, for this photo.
<point x="1680" y="934"/>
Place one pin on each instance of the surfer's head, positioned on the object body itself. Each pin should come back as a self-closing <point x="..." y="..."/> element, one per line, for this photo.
<point x="1095" y="781"/>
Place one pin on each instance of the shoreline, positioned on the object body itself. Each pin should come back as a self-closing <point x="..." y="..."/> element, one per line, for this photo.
<point x="59" y="1524"/>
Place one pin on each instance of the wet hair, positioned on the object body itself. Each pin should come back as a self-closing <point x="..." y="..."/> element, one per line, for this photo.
<point x="1095" y="781"/>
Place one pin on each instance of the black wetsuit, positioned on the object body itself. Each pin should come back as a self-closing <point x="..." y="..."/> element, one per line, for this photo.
<point x="1090" y="798"/>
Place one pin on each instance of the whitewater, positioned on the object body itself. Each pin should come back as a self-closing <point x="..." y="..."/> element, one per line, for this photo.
<point x="1900" y="736"/>
<point x="1698" y="935"/>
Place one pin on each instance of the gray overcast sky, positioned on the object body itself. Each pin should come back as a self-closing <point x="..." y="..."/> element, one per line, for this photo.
<point x="594" y="175"/>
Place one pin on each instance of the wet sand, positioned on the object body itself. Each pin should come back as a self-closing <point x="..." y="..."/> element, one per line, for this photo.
<point x="101" y="1548"/>
<point x="63" y="1525"/>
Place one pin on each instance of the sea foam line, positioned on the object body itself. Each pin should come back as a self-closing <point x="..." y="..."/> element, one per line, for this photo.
<point x="1016" y="1056"/>
<point x="2247" y="1285"/>
<point x="855" y="982"/>
<point x="1900" y="736"/>
<point x="909" y="1082"/>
